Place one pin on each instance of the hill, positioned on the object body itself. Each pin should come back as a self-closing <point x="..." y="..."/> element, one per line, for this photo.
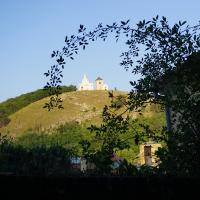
<point x="84" y="107"/>
<point x="12" y="105"/>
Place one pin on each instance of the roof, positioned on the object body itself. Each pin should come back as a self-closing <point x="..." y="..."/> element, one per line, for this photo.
<point x="99" y="79"/>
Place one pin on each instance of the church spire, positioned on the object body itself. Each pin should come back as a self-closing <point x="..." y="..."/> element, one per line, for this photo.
<point x="85" y="84"/>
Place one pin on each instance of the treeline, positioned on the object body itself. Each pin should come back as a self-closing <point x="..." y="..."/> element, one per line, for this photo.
<point x="66" y="135"/>
<point x="36" y="160"/>
<point x="48" y="152"/>
<point x="41" y="153"/>
<point x="12" y="105"/>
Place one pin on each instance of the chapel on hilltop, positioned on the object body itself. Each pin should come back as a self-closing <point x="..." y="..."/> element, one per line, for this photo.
<point x="86" y="85"/>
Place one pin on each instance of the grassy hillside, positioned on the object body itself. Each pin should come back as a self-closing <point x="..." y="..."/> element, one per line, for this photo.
<point x="82" y="106"/>
<point x="12" y="105"/>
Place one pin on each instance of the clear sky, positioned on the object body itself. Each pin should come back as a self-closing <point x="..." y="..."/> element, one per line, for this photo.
<point x="31" y="29"/>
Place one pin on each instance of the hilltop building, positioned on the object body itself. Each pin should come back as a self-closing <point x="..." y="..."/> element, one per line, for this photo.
<point x="86" y="85"/>
<point x="100" y="85"/>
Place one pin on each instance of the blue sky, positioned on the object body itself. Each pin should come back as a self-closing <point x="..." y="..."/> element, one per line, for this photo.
<point x="31" y="29"/>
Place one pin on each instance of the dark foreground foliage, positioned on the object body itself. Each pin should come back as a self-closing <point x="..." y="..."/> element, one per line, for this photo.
<point x="38" y="187"/>
<point x="167" y="59"/>
<point x="39" y="160"/>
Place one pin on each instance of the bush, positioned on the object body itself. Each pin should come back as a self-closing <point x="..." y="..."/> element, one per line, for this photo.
<point x="119" y="102"/>
<point x="37" y="160"/>
<point x="4" y="120"/>
<point x="66" y="135"/>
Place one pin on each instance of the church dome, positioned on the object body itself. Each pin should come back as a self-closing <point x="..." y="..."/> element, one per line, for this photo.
<point x="99" y="79"/>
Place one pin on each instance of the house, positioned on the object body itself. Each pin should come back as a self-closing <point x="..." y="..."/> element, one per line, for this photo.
<point x="81" y="164"/>
<point x="147" y="153"/>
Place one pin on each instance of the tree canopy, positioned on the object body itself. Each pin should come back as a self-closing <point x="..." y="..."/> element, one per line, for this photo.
<point x="167" y="58"/>
<point x="154" y="49"/>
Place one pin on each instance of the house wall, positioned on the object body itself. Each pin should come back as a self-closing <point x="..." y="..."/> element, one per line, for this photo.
<point x="100" y="85"/>
<point x="154" y="148"/>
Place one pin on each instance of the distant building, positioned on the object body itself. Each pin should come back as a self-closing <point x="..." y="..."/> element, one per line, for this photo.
<point x="147" y="153"/>
<point x="75" y="163"/>
<point x="81" y="164"/>
<point x="100" y="85"/>
<point x="86" y="85"/>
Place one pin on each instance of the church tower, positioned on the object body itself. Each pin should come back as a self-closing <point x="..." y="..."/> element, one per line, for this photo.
<point x="100" y="85"/>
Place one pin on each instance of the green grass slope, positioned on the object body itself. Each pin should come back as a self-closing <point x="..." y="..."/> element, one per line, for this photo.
<point x="81" y="106"/>
<point x="12" y="105"/>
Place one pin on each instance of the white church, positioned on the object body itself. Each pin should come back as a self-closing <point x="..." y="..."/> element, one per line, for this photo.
<point x="86" y="85"/>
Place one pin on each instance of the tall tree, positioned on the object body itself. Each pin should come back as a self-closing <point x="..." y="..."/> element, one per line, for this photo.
<point x="156" y="50"/>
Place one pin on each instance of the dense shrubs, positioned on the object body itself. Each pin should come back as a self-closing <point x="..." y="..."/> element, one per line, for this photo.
<point x="38" y="160"/>
<point x="119" y="102"/>
<point x="4" y="120"/>
<point x="42" y="153"/>
<point x="67" y="136"/>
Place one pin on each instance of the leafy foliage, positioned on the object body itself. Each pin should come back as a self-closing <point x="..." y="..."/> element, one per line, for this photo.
<point x="182" y="155"/>
<point x="119" y="102"/>
<point x="4" y="120"/>
<point x="38" y="160"/>
<point x="108" y="134"/>
<point x="66" y="135"/>
<point x="164" y="56"/>
<point x="118" y="135"/>
<point x="160" y="46"/>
